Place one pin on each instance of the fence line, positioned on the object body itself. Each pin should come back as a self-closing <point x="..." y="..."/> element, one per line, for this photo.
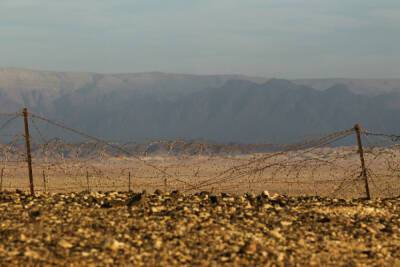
<point x="309" y="167"/>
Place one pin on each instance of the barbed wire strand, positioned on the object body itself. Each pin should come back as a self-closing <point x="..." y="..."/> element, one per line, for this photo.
<point x="7" y="123"/>
<point x="10" y="114"/>
<point x="52" y="122"/>
<point x="333" y="138"/>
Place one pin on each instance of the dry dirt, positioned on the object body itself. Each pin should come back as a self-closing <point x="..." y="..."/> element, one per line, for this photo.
<point x="174" y="229"/>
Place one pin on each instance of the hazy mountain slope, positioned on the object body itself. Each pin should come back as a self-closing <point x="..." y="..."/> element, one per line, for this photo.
<point x="54" y="84"/>
<point x="360" y="86"/>
<point x="239" y="111"/>
<point x="226" y="108"/>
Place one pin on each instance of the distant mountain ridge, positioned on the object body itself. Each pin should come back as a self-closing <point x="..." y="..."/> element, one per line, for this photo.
<point x="222" y="108"/>
<point x="25" y="79"/>
<point x="360" y="86"/>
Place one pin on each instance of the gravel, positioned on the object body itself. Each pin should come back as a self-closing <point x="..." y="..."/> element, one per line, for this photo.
<point x="173" y="229"/>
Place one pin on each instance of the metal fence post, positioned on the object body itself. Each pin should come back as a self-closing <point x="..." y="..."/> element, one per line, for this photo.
<point x="364" y="173"/>
<point x="28" y="150"/>
<point x="44" y="182"/>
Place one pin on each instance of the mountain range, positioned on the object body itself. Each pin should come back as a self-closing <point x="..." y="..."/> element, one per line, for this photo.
<point x="221" y="108"/>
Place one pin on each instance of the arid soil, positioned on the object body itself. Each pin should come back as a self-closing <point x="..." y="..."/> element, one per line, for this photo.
<point x="173" y="229"/>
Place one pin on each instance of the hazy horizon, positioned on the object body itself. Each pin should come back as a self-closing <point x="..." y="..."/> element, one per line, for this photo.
<point x="197" y="74"/>
<point x="290" y="39"/>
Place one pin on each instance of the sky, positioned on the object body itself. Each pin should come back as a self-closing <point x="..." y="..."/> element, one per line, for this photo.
<point x="269" y="38"/>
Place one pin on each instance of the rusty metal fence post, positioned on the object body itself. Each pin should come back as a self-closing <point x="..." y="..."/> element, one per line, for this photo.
<point x="364" y="173"/>
<point x="28" y="150"/>
<point x="44" y="182"/>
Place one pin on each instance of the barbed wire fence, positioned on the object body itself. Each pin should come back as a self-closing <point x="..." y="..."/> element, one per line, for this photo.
<point x="321" y="166"/>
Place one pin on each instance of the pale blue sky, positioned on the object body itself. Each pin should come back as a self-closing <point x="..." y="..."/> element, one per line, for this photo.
<point x="271" y="38"/>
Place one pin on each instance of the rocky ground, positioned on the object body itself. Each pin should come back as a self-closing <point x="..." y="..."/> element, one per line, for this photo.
<point x="172" y="229"/>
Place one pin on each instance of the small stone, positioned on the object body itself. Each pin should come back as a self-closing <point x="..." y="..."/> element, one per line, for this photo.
<point x="157" y="209"/>
<point x="286" y="223"/>
<point x="114" y="245"/>
<point x="158" y="244"/>
<point x="265" y="194"/>
<point x="302" y="242"/>
<point x="65" y="244"/>
<point x="32" y="254"/>
<point x="267" y="206"/>
<point x="22" y="237"/>
<point x="276" y="234"/>
<point x="251" y="248"/>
